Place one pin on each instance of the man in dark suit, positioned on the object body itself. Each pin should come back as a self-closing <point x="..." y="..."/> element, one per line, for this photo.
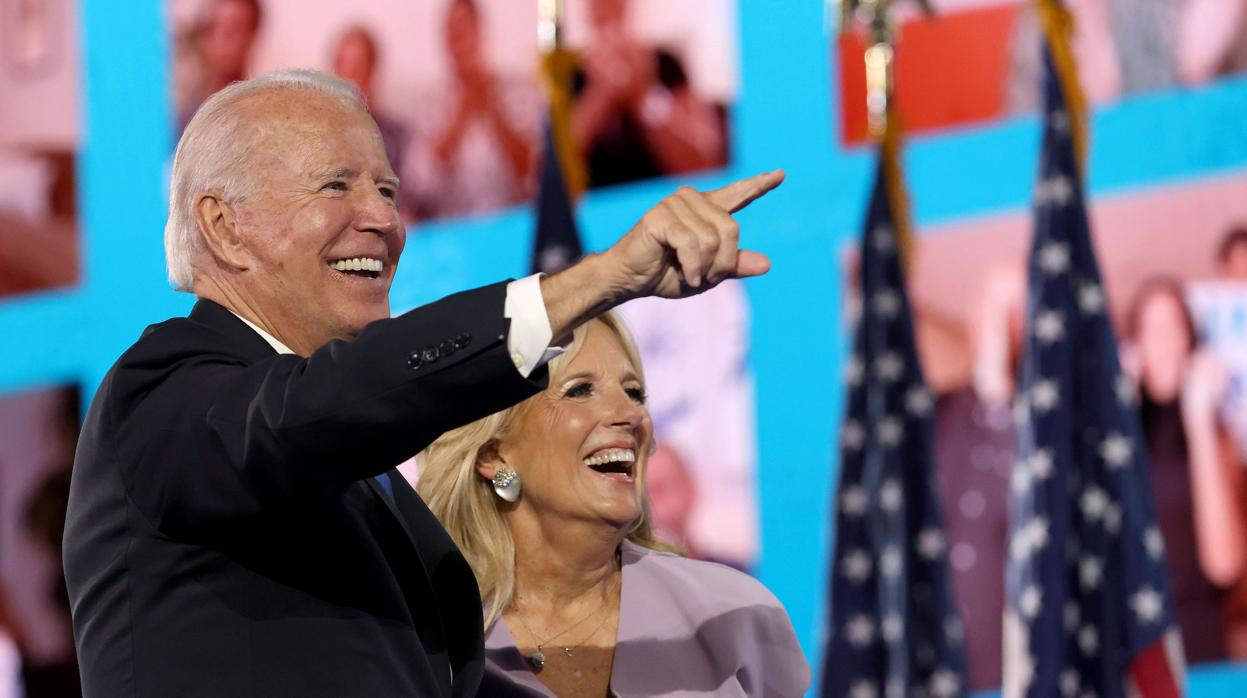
<point x="235" y="524"/>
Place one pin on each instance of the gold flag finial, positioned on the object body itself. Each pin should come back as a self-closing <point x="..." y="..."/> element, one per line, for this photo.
<point x="877" y="18"/>
<point x="558" y="67"/>
<point x="549" y="24"/>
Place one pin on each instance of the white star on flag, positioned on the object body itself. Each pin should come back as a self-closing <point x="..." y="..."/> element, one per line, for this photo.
<point x="890" y="562"/>
<point x="1124" y="387"/>
<point x="1090" y="299"/>
<point x="555" y="257"/>
<point x="1116" y="451"/>
<point x="1054" y="258"/>
<point x="853" y="501"/>
<point x="1147" y="605"/>
<point x="887" y="303"/>
<point x="1058" y="120"/>
<point x="1154" y="542"/>
<point x="1049" y="326"/>
<point x="930" y="543"/>
<point x="863" y="689"/>
<point x="1021" y="479"/>
<point x="860" y="630"/>
<point x="853" y="435"/>
<point x="1093" y="503"/>
<point x="1090" y="570"/>
<point x="1040" y="464"/>
<point x="890" y="366"/>
<point x="918" y="401"/>
<point x="893" y="627"/>
<point x="856" y="565"/>
<point x="1029" y="539"/>
<point x="853" y="371"/>
<point x="1045" y="395"/>
<point x="1070" y="683"/>
<point x="890" y="431"/>
<point x="890" y="496"/>
<point x="883" y="239"/>
<point x="1089" y="640"/>
<point x="1055" y="190"/>
<point x="944" y="684"/>
<point x="1030" y="602"/>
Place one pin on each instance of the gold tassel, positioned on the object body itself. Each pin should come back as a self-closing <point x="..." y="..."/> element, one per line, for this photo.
<point x="894" y="184"/>
<point x="1057" y="25"/>
<point x="558" y="66"/>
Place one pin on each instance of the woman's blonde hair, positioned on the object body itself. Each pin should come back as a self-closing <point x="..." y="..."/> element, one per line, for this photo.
<point x="465" y="502"/>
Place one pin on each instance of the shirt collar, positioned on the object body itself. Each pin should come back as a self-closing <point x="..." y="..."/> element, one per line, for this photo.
<point x="272" y="341"/>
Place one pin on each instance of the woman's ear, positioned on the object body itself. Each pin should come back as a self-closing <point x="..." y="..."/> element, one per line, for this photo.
<point x="488" y="460"/>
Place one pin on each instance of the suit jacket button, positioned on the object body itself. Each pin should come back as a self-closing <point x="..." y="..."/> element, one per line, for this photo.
<point x="447" y="348"/>
<point x="414" y="361"/>
<point x="463" y="340"/>
<point x="430" y="355"/>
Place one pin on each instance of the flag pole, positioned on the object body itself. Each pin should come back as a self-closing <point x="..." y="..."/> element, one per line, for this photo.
<point x="558" y="66"/>
<point x="882" y="118"/>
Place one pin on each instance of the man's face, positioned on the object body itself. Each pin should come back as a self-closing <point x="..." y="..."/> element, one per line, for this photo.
<point x="353" y="61"/>
<point x="321" y="228"/>
<point x="228" y="36"/>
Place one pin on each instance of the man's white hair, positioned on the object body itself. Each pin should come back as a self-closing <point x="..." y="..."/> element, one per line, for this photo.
<point x="212" y="157"/>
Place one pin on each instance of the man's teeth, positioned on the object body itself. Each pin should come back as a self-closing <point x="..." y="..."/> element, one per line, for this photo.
<point x="359" y="264"/>
<point x="612" y="455"/>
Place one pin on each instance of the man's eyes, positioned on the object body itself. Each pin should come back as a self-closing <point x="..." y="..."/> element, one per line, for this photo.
<point x="387" y="191"/>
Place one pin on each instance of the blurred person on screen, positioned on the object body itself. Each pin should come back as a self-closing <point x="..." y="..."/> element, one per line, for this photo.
<point x="1196" y="475"/>
<point x="477" y="134"/>
<point x="236" y="525"/>
<point x="976" y="444"/>
<point x="548" y="501"/>
<point x="222" y="39"/>
<point x="1232" y="255"/>
<point x="673" y="494"/>
<point x="636" y="114"/>
<point x="355" y="57"/>
<point x="1212" y="39"/>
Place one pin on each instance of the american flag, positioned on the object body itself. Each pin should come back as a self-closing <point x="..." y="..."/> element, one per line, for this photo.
<point x="1089" y="611"/>
<point x="893" y="631"/>
<point x="557" y="241"/>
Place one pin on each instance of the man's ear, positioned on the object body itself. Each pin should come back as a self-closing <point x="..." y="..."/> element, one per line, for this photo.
<point x="218" y="223"/>
<point x="488" y="460"/>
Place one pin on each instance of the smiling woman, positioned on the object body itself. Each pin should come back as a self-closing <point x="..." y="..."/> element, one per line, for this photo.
<point x="580" y="597"/>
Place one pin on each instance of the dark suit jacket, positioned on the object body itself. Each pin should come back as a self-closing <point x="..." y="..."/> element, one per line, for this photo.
<point x="227" y="536"/>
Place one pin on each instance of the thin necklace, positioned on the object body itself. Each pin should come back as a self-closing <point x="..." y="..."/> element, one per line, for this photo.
<point x="538" y="657"/>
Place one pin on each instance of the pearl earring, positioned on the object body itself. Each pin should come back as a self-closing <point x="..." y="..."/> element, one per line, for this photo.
<point x="506" y="483"/>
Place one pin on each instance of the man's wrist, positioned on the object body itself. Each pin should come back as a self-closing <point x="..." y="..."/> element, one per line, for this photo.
<point x="581" y="292"/>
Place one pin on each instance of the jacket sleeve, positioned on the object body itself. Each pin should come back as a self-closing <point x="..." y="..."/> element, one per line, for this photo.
<point x="208" y="440"/>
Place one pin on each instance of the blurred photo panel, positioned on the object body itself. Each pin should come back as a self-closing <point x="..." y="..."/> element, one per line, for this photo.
<point x="40" y="135"/>
<point x="454" y="84"/>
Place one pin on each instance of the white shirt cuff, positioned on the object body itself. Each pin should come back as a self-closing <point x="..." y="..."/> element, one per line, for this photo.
<point x="529" y="337"/>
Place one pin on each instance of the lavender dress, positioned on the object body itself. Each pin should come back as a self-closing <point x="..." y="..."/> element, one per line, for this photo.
<point x="686" y="628"/>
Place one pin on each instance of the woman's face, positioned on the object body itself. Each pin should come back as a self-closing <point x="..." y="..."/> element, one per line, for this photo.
<point x="1164" y="345"/>
<point x="580" y="446"/>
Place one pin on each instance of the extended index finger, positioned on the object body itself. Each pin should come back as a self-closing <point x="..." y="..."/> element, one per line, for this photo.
<point x="740" y="194"/>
